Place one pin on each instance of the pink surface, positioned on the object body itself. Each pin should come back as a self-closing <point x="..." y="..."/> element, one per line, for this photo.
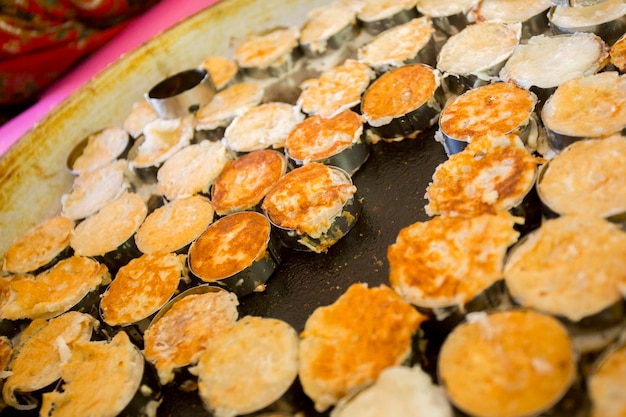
<point x="163" y="15"/>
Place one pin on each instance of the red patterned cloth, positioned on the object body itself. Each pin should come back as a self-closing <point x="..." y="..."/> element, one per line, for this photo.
<point x="41" y="39"/>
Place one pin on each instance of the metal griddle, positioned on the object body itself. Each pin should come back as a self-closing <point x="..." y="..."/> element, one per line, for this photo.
<point x="391" y="184"/>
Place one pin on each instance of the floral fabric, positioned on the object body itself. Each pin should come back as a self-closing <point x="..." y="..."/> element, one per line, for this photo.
<point x="42" y="39"/>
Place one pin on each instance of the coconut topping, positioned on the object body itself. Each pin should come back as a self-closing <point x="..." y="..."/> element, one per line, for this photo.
<point x="580" y="17"/>
<point x="102" y="148"/>
<point x="174" y="225"/>
<point x="141" y="114"/>
<point x="41" y="352"/>
<point x="106" y="230"/>
<point x="263" y="126"/>
<point x="548" y="61"/>
<point x="245" y="181"/>
<point x="395" y="46"/>
<point x="479" y="48"/>
<point x="99" y="379"/>
<point x="229" y="245"/>
<point x="141" y="287"/>
<point x="229" y="103"/>
<point x="509" y="11"/>
<point x="336" y="90"/>
<point x="492" y="110"/>
<point x="375" y="10"/>
<point x="162" y="138"/>
<point x="522" y="361"/>
<point x="91" y="190"/>
<point x="398" y="391"/>
<point x="179" y="337"/>
<point x="348" y="343"/>
<point x="39" y="245"/>
<point x="557" y="272"/>
<point x="53" y="291"/>
<point x="448" y="261"/>
<point x="222" y="70"/>
<point x="325" y="22"/>
<point x="588" y="107"/>
<point x="445" y="8"/>
<point x="605" y="382"/>
<point x="587" y="177"/>
<point x="262" y="51"/>
<point x="308" y="199"/>
<point x="399" y="92"/>
<point x="317" y="138"/>
<point x="489" y="175"/>
<point x="192" y="170"/>
<point x="248" y="366"/>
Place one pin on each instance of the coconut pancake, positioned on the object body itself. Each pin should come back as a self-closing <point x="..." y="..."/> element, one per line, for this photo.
<point x="39" y="245"/>
<point x="181" y="334"/>
<point x="447" y="261"/>
<point x="489" y="175"/>
<point x="348" y="343"/>
<point x="246" y="180"/>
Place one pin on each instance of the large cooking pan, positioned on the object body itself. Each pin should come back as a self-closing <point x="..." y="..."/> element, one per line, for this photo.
<point x="391" y="183"/>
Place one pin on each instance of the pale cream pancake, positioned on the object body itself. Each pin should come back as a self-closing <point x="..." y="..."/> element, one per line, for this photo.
<point x="39" y="245"/>
<point x="140" y="115"/>
<point x="445" y="8"/>
<point x="222" y="70"/>
<point x="248" y="367"/>
<point x="346" y="345"/>
<point x="113" y="225"/>
<point x="394" y="47"/>
<point x="447" y="261"/>
<point x="142" y="287"/>
<point x="507" y="364"/>
<point x="174" y="225"/>
<point x="606" y="384"/>
<point x="227" y="104"/>
<point x="509" y="11"/>
<point x="491" y="110"/>
<point x="162" y="138"/>
<point x="245" y="181"/>
<point x="99" y="379"/>
<point x="317" y="138"/>
<point x="179" y="337"/>
<point x="488" y="176"/>
<point x="548" y="61"/>
<point x="375" y="10"/>
<point x="54" y="291"/>
<point x="618" y="54"/>
<point x="264" y="126"/>
<point x="229" y="245"/>
<point x="587" y="177"/>
<point x="581" y="17"/>
<point x="398" y="391"/>
<point x="268" y="49"/>
<point x="91" y="190"/>
<point x="308" y="199"/>
<point x="42" y="349"/>
<point x="556" y="271"/>
<point x="325" y="22"/>
<point x="192" y="170"/>
<point x="491" y="43"/>
<point x="588" y="107"/>
<point x="337" y="89"/>
<point x="399" y="92"/>
<point x="102" y="148"/>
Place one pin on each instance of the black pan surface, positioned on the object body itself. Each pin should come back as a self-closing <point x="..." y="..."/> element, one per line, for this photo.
<point x="392" y="184"/>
